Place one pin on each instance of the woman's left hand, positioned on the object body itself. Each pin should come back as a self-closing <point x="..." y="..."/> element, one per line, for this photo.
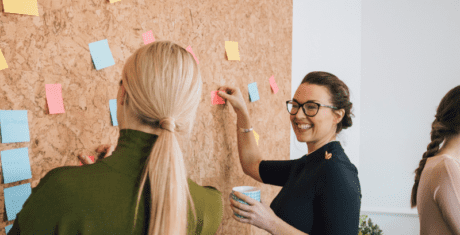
<point x="256" y="213"/>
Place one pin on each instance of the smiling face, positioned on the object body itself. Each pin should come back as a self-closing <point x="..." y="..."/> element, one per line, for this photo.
<point x="324" y="123"/>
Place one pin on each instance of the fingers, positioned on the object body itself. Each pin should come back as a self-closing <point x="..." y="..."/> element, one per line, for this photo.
<point x="110" y="149"/>
<point x="103" y="148"/>
<point x="85" y="159"/>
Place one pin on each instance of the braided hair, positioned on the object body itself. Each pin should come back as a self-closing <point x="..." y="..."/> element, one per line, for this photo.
<point x="446" y="125"/>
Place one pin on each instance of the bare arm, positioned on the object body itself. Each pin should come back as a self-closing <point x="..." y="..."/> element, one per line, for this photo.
<point x="248" y="151"/>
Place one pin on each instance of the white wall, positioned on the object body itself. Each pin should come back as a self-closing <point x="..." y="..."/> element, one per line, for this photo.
<point x="409" y="55"/>
<point x="410" y="60"/>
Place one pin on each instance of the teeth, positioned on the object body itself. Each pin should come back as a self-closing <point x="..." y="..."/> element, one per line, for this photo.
<point x="304" y="126"/>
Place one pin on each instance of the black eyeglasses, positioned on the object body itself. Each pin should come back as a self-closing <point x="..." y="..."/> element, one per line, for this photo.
<point x="310" y="108"/>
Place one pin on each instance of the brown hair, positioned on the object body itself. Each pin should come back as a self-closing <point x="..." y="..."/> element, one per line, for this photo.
<point x="446" y="125"/>
<point x="163" y="83"/>
<point x="338" y="91"/>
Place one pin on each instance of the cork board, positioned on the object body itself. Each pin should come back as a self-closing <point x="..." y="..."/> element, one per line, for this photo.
<point x="53" y="48"/>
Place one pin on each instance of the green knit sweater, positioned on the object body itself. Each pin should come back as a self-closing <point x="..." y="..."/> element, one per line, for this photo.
<point x="101" y="198"/>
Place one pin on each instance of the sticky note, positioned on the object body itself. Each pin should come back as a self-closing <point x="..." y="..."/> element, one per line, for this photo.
<point x="216" y="99"/>
<point x="15" y="197"/>
<point x="101" y="54"/>
<point x="15" y="165"/>
<point x="26" y="7"/>
<point x="189" y="49"/>
<point x="3" y="64"/>
<point x="15" y="126"/>
<point x="113" y="111"/>
<point x="148" y="37"/>
<point x="253" y="92"/>
<point x="112" y="1"/>
<point x="273" y="84"/>
<point x="91" y="157"/>
<point x="257" y="136"/>
<point x="8" y="228"/>
<point x="54" y="98"/>
<point x="232" y="50"/>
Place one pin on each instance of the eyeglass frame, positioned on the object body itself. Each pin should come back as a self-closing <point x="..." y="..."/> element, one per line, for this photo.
<point x="303" y="107"/>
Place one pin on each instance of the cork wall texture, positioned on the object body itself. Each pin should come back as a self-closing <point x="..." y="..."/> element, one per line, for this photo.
<point x="53" y="48"/>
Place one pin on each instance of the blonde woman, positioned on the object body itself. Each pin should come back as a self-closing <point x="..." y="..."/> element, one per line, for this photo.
<point x="142" y="188"/>
<point x="436" y="191"/>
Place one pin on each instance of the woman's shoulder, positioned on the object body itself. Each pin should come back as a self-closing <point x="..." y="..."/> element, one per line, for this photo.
<point x="208" y="191"/>
<point x="445" y="163"/>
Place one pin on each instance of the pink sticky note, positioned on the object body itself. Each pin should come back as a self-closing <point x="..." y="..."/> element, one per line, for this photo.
<point x="148" y="37"/>
<point x="273" y="84"/>
<point x="216" y="99"/>
<point x="91" y="157"/>
<point x="54" y="98"/>
<point x="189" y="49"/>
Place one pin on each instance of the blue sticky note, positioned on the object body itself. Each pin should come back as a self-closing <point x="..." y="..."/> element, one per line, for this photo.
<point x="15" y="197"/>
<point x="101" y="54"/>
<point x="15" y="165"/>
<point x="8" y="228"/>
<point x="15" y="126"/>
<point x="113" y="111"/>
<point x="253" y="92"/>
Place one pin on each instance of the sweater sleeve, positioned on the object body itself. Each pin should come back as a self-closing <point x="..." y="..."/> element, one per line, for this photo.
<point x="447" y="193"/>
<point x="275" y="172"/>
<point x="339" y="200"/>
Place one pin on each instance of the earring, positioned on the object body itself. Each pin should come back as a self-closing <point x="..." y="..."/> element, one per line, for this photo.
<point x="328" y="156"/>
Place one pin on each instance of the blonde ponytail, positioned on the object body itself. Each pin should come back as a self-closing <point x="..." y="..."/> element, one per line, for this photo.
<point x="163" y="83"/>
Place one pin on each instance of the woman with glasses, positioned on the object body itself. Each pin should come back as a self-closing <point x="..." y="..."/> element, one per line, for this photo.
<point x="436" y="190"/>
<point x="321" y="192"/>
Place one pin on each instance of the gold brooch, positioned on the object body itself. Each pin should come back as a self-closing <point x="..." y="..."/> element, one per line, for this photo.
<point x="328" y="156"/>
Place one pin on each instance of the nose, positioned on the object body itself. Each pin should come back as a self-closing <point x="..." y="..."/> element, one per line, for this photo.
<point x="300" y="115"/>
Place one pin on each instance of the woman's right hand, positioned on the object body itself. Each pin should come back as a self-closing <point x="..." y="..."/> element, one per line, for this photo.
<point x="104" y="149"/>
<point x="234" y="96"/>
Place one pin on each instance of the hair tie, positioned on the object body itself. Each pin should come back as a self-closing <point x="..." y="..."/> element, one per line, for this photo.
<point x="168" y="124"/>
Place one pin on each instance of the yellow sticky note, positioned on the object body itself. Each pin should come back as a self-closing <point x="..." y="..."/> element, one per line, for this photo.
<point x="26" y="7"/>
<point x="112" y="1"/>
<point x="3" y="64"/>
<point x="257" y="137"/>
<point x="232" y="50"/>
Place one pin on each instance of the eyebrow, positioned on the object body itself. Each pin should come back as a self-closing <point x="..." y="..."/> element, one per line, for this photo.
<point x="307" y="101"/>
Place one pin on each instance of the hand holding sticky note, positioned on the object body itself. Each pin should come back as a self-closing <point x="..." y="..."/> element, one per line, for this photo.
<point x="232" y="50"/>
<point x="26" y="7"/>
<point x="54" y="98"/>
<point x="273" y="84"/>
<point x="216" y="99"/>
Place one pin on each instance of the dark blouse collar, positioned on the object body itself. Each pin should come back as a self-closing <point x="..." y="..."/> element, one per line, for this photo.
<point x="331" y="147"/>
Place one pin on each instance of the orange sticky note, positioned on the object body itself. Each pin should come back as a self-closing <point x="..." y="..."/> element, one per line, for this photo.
<point x="257" y="136"/>
<point x="3" y="64"/>
<point x="112" y="1"/>
<point x="91" y="157"/>
<point x="189" y="49"/>
<point x="54" y="98"/>
<point x="273" y="84"/>
<point x="216" y="99"/>
<point x="232" y="50"/>
<point x="26" y="7"/>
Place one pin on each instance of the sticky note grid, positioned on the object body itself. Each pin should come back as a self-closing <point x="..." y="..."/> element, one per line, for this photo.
<point x="232" y="50"/>
<point x="16" y="165"/>
<point x="14" y="126"/>
<point x="216" y="99"/>
<point x="15" y="197"/>
<point x="148" y="37"/>
<point x="113" y="111"/>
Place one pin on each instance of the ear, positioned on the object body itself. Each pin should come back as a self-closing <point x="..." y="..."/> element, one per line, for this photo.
<point x="339" y="115"/>
<point x="122" y="95"/>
